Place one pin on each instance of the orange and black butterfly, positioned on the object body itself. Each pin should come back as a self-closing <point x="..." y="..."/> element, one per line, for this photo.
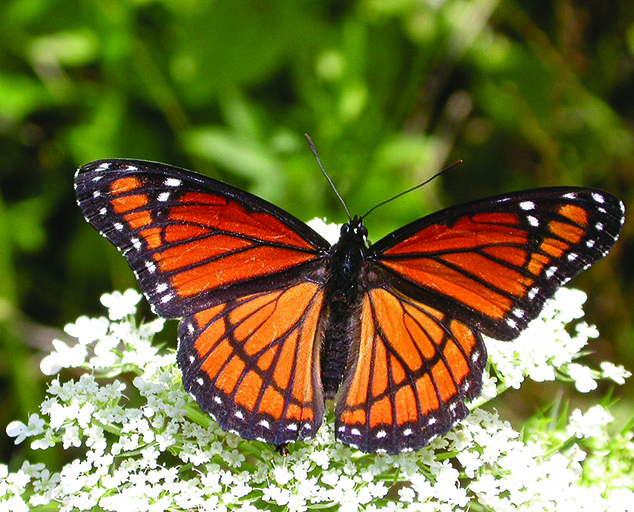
<point x="276" y="320"/>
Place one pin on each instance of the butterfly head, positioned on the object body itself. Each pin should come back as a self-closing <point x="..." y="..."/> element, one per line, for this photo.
<point x="354" y="229"/>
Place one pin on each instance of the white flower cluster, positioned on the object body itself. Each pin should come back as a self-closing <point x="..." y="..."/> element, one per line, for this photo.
<point x="546" y="350"/>
<point x="153" y="449"/>
<point x="329" y="230"/>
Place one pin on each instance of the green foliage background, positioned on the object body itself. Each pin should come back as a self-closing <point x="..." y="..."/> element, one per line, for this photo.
<point x="527" y="93"/>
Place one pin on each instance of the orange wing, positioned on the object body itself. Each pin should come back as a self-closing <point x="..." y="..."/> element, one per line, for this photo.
<point x="493" y="263"/>
<point x="253" y="363"/>
<point x="194" y="242"/>
<point x="410" y="376"/>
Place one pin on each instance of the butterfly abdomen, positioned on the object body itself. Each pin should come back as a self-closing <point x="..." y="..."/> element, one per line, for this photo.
<point x="343" y="296"/>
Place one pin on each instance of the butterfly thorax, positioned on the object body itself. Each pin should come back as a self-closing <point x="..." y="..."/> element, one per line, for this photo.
<point x="343" y="296"/>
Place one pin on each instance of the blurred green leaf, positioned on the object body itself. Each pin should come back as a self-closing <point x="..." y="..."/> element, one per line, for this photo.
<point x="20" y="96"/>
<point x="69" y="48"/>
<point x="26" y="219"/>
<point x="244" y="156"/>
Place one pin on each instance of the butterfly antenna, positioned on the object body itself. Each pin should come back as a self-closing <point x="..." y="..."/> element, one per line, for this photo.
<point x="413" y="188"/>
<point x="312" y="148"/>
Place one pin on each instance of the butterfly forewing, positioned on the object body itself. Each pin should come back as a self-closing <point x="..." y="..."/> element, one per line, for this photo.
<point x="493" y="263"/>
<point x="192" y="241"/>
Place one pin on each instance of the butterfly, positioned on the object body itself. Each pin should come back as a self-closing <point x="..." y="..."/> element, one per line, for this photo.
<point x="276" y="320"/>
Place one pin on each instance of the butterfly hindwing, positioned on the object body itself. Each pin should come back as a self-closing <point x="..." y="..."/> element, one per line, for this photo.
<point x="410" y="374"/>
<point x="493" y="263"/>
<point x="252" y="363"/>
<point x="192" y="240"/>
